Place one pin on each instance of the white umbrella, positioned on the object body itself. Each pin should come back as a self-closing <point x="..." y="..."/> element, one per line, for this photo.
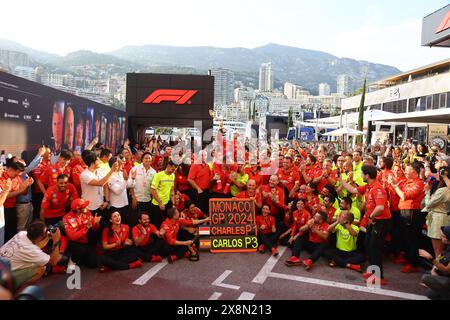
<point x="344" y="131"/>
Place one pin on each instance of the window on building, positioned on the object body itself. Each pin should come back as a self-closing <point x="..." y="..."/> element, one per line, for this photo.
<point x="448" y="99"/>
<point x="436" y="101"/>
<point x="429" y="100"/>
<point x="442" y="100"/>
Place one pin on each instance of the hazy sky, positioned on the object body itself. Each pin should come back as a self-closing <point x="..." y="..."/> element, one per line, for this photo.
<point x="384" y="31"/>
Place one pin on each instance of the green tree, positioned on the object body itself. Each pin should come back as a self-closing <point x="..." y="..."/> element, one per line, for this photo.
<point x="361" y="112"/>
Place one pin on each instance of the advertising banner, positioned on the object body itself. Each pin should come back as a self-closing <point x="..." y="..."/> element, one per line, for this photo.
<point x="306" y="134"/>
<point x="437" y="134"/>
<point x="32" y="114"/>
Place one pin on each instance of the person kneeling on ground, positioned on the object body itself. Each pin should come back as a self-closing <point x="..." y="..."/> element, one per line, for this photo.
<point x="179" y="248"/>
<point x="118" y="252"/>
<point x="438" y="282"/>
<point x="316" y="242"/>
<point x="80" y="226"/>
<point x="267" y="235"/>
<point x="148" y="240"/>
<point x="345" y="254"/>
<point x="23" y="251"/>
<point x="192" y="212"/>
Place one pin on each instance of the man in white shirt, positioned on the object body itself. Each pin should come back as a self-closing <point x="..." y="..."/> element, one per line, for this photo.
<point x="25" y="255"/>
<point x="93" y="183"/>
<point x="140" y="181"/>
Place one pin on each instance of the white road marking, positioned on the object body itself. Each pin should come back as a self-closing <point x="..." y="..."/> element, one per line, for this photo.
<point x="246" y="296"/>
<point x="347" y="286"/>
<point x="223" y="276"/>
<point x="268" y="266"/>
<point x="215" y="296"/>
<point x="142" y="280"/>
<point x="266" y="272"/>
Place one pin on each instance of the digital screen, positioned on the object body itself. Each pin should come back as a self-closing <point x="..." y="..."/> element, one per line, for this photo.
<point x="32" y="114"/>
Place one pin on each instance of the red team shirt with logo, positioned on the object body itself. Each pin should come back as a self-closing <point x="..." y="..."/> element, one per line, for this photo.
<point x="55" y="202"/>
<point x="375" y="195"/>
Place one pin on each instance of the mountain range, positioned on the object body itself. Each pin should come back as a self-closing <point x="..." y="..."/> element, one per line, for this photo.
<point x="304" y="67"/>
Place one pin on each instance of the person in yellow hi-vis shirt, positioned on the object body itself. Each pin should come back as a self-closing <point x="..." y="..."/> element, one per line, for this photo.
<point x="162" y="190"/>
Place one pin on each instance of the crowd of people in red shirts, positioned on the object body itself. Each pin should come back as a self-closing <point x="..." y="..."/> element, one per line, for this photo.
<point x="111" y="211"/>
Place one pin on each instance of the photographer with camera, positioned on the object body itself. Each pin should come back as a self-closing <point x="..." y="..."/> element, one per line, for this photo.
<point x="437" y="204"/>
<point x="24" y="253"/>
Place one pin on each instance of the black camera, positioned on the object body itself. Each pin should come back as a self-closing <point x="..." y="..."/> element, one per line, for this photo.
<point x="444" y="171"/>
<point x="53" y="228"/>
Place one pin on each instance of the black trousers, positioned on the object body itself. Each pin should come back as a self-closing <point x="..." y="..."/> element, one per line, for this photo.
<point x="10" y="223"/>
<point x="411" y="223"/>
<point x="302" y="243"/>
<point x="83" y="254"/>
<point x="157" y="215"/>
<point x="342" y="258"/>
<point x="268" y="239"/>
<point x="397" y="244"/>
<point x="438" y="287"/>
<point x="376" y="233"/>
<point x="201" y="200"/>
<point x="179" y="251"/>
<point x="119" y="259"/>
<point x="37" y="201"/>
<point x="156" y="248"/>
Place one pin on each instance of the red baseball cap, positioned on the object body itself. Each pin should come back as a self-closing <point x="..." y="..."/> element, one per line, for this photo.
<point x="79" y="204"/>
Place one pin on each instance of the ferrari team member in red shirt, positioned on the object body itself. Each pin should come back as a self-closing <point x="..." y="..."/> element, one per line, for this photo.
<point x="118" y="253"/>
<point x="13" y="171"/>
<point x="267" y="231"/>
<point x="377" y="214"/>
<point x="310" y="170"/>
<point x="273" y="196"/>
<point x="38" y="195"/>
<point x="254" y="173"/>
<point x="221" y="179"/>
<point x="49" y="176"/>
<point x="327" y="207"/>
<point x="79" y="225"/>
<point x="386" y="164"/>
<point x="199" y="178"/>
<point x="179" y="248"/>
<point x="57" y="200"/>
<point x="316" y="244"/>
<point x="412" y="220"/>
<point x="326" y="176"/>
<point x="181" y="179"/>
<point x="148" y="240"/>
<point x="300" y="218"/>
<point x="251" y="193"/>
<point x="288" y="175"/>
<point x="77" y="166"/>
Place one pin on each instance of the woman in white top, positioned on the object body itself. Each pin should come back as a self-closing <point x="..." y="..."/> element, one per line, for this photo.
<point x="118" y="184"/>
